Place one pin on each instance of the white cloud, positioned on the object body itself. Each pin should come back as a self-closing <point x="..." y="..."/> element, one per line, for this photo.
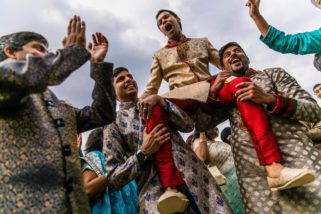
<point x="133" y="34"/>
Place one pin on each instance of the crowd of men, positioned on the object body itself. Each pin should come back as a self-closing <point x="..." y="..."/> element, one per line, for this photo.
<point x="136" y="161"/>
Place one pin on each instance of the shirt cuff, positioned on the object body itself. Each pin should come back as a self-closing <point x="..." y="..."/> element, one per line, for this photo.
<point x="285" y="106"/>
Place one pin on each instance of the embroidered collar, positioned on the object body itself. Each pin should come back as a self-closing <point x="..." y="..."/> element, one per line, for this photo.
<point x="250" y="72"/>
<point x="127" y="105"/>
<point x="173" y="43"/>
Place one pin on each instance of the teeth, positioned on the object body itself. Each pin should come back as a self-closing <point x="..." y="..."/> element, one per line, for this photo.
<point x="128" y="85"/>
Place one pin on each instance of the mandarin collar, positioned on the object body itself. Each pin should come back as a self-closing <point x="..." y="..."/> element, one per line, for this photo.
<point x="173" y="43"/>
<point x="127" y="105"/>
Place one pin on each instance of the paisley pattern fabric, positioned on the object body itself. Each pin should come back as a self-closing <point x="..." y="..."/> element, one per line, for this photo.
<point x="181" y="65"/>
<point x="296" y="147"/>
<point x="124" y="137"/>
<point x="40" y="167"/>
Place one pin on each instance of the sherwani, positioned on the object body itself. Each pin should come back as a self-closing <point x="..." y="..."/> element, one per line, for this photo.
<point x="181" y="65"/>
<point x="123" y="138"/>
<point x="40" y="166"/>
<point x="295" y="145"/>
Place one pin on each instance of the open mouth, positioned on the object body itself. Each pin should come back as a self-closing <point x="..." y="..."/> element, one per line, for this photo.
<point x="235" y="61"/>
<point x="168" y="27"/>
<point x="129" y="85"/>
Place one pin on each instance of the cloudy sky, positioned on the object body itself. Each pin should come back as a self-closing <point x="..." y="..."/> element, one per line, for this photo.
<point x="133" y="35"/>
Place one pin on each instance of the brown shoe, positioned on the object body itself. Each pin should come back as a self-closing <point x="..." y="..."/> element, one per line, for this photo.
<point x="290" y="178"/>
<point x="172" y="202"/>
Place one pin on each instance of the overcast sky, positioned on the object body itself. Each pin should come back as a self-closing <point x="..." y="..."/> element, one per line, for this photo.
<point x="133" y="34"/>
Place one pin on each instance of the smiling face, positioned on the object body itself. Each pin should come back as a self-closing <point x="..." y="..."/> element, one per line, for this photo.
<point x="35" y="48"/>
<point x="317" y="91"/>
<point x="125" y="86"/>
<point x="169" y="25"/>
<point x="235" y="60"/>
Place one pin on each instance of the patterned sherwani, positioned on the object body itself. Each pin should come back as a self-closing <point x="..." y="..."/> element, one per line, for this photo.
<point x="123" y="138"/>
<point x="40" y="166"/>
<point x="295" y="145"/>
<point x="181" y="65"/>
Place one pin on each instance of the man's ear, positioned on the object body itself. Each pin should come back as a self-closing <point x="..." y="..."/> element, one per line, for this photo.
<point x="10" y="53"/>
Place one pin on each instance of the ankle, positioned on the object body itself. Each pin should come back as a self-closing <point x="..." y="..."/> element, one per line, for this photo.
<point x="274" y="170"/>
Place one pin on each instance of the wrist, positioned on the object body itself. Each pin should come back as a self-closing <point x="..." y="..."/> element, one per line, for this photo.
<point x="271" y="101"/>
<point x="141" y="156"/>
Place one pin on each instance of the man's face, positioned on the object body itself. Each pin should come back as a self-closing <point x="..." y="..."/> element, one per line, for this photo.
<point x="125" y="86"/>
<point x="169" y="25"/>
<point x="317" y="91"/>
<point x="35" y="48"/>
<point x="235" y="61"/>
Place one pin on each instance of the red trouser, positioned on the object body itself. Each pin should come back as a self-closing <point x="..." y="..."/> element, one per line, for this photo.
<point x="253" y="116"/>
<point x="164" y="162"/>
<point x="255" y="119"/>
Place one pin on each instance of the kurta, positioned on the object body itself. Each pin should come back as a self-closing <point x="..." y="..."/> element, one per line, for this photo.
<point x="300" y="43"/>
<point x="181" y="65"/>
<point x="123" y="138"/>
<point x="40" y="166"/>
<point x="295" y="145"/>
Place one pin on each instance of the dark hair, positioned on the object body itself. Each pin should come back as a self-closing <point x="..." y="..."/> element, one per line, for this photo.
<point x="95" y="140"/>
<point x="118" y="70"/>
<point x="16" y="40"/>
<point x="223" y="48"/>
<point x="316" y="85"/>
<point x="170" y="12"/>
<point x="225" y="133"/>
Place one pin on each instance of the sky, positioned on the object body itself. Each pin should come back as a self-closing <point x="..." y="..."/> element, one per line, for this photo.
<point x="133" y="35"/>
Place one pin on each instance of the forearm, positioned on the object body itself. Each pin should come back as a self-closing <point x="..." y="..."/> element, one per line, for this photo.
<point x="123" y="173"/>
<point x="201" y="150"/>
<point x="261" y="24"/>
<point x="102" y="110"/>
<point x="96" y="186"/>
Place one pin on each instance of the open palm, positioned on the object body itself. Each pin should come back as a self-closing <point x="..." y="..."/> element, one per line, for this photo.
<point x="98" y="47"/>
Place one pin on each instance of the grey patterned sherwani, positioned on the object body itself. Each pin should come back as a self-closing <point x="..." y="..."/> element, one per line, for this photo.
<point x="40" y="166"/>
<point x="296" y="147"/>
<point x="123" y="138"/>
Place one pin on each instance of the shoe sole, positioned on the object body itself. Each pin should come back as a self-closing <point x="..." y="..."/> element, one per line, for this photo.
<point x="172" y="204"/>
<point x="300" y="180"/>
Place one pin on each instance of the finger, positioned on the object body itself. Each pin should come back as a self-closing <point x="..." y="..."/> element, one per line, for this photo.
<point x="145" y="111"/>
<point x="73" y="24"/>
<point x="141" y="106"/>
<point x="163" y="138"/>
<point x="83" y="28"/>
<point x="78" y="25"/>
<point x="90" y="46"/>
<point x="94" y="36"/>
<point x="245" y="96"/>
<point x="243" y="84"/>
<point x="69" y="26"/>
<point x="161" y="131"/>
<point x="149" y="112"/>
<point x="158" y="127"/>
<point x="64" y="41"/>
<point x="241" y="91"/>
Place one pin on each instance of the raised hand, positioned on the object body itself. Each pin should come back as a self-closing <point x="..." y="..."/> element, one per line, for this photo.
<point x="253" y="8"/>
<point x="76" y="33"/>
<point x="98" y="47"/>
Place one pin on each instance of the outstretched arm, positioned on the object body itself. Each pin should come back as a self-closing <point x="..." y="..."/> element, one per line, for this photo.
<point x="18" y="79"/>
<point x="255" y="14"/>
<point x="102" y="110"/>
